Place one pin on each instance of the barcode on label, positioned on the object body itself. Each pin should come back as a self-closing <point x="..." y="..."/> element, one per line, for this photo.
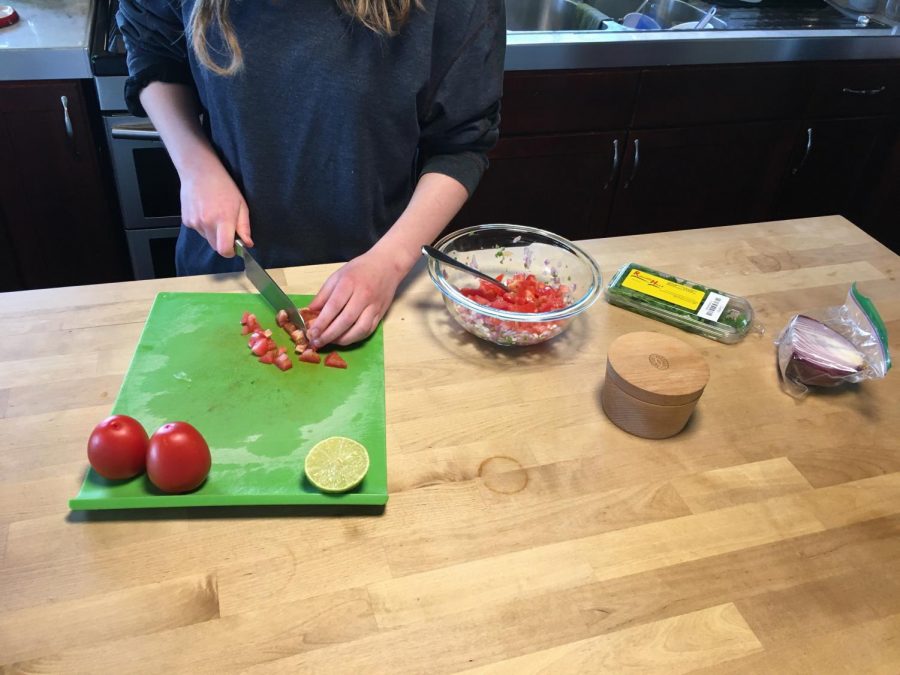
<point x="713" y="307"/>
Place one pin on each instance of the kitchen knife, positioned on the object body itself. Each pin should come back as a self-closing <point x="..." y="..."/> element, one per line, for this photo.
<point x="268" y="288"/>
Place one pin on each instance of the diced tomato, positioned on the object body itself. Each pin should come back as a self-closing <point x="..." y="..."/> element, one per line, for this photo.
<point x="296" y="335"/>
<point x="267" y="358"/>
<point x="334" y="360"/>
<point x="308" y="315"/>
<point x="526" y="294"/>
<point x="262" y="345"/>
<point x="310" y="356"/>
<point x="280" y="351"/>
<point x="245" y="330"/>
<point x="283" y="361"/>
<point x="289" y="327"/>
<point x="281" y="318"/>
<point x="244" y="318"/>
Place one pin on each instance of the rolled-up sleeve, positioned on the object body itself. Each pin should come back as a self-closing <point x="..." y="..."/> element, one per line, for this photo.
<point x="155" y="43"/>
<point x="462" y="114"/>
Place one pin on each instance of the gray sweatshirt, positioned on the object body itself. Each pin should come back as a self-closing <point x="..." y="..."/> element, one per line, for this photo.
<point x="328" y="126"/>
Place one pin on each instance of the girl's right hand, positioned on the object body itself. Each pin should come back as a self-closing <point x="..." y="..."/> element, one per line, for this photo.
<point x="213" y="205"/>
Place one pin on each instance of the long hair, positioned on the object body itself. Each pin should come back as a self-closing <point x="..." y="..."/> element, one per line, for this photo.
<point x="381" y="16"/>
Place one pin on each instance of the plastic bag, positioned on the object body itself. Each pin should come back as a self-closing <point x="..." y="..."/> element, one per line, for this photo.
<point x="845" y="344"/>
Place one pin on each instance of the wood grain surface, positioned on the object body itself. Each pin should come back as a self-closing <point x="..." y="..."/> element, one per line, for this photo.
<point x="525" y="533"/>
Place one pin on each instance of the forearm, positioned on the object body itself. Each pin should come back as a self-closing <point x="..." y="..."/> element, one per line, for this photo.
<point x="435" y="201"/>
<point x="175" y="112"/>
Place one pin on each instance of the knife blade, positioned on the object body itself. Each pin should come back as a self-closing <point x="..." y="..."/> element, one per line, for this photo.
<point x="267" y="287"/>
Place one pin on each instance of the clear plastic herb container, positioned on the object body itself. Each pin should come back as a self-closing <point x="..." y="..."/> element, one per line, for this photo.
<point x="680" y="303"/>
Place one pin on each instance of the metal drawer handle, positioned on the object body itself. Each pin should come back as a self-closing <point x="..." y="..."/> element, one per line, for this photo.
<point x="135" y="132"/>
<point x="864" y="92"/>
<point x="809" y="142"/>
<point x="615" y="164"/>
<point x="637" y="161"/>
<point x="70" y="132"/>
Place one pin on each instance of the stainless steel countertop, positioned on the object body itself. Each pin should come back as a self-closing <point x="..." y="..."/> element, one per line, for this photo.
<point x="50" y="41"/>
<point x="52" y="44"/>
<point x="620" y="49"/>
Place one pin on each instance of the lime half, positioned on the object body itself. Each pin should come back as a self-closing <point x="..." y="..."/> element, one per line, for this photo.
<point x="336" y="464"/>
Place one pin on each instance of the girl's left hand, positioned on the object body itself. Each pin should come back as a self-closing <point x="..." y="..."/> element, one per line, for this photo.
<point x="353" y="299"/>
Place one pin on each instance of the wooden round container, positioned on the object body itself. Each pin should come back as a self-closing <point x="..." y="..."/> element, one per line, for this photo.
<point x="652" y="384"/>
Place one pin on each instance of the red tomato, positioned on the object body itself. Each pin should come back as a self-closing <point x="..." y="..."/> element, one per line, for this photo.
<point x="526" y="294"/>
<point x="178" y="459"/>
<point x="335" y="361"/>
<point x="283" y="361"/>
<point x="308" y="315"/>
<point x="117" y="447"/>
<point x="310" y="356"/>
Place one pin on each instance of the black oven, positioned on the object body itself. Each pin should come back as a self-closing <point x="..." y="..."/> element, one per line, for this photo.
<point x="146" y="181"/>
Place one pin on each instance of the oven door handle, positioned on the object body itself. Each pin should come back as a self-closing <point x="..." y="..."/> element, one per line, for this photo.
<point x="135" y="132"/>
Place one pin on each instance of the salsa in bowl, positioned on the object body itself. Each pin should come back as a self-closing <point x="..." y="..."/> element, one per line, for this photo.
<point x="550" y="279"/>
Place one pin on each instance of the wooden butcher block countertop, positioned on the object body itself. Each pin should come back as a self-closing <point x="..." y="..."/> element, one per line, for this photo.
<point x="524" y="532"/>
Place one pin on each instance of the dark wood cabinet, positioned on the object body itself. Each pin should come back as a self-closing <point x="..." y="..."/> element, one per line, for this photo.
<point x="674" y="179"/>
<point x="56" y="203"/>
<point x="628" y="151"/>
<point x="9" y="268"/>
<point x="698" y="95"/>
<point x="563" y="183"/>
<point x="880" y="205"/>
<point x="832" y="164"/>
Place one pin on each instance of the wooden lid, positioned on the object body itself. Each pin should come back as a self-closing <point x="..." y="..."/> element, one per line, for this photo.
<point x="657" y="368"/>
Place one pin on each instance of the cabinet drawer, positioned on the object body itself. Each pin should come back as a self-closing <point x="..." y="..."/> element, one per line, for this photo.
<point x="856" y="90"/>
<point x="715" y="94"/>
<point x="566" y="101"/>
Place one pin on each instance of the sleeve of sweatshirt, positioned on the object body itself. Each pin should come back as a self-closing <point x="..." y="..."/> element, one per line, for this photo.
<point x="156" y="48"/>
<point x="462" y="110"/>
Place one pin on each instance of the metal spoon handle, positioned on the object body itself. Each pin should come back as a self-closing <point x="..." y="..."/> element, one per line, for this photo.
<point x="447" y="260"/>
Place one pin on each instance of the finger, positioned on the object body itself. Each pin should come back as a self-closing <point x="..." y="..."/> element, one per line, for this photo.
<point x="225" y="238"/>
<point x="342" y="323"/>
<point x="324" y="293"/>
<point x="243" y="224"/>
<point x="335" y="306"/>
<point x="365" y="325"/>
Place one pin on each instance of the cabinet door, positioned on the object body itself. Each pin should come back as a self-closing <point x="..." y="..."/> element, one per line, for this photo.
<point x="559" y="183"/>
<point x="9" y="272"/>
<point x="880" y="205"/>
<point x="677" y="179"/>
<point x="57" y="205"/>
<point x="832" y="163"/>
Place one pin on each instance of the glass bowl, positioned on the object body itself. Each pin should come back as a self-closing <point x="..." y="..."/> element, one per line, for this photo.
<point x="511" y="250"/>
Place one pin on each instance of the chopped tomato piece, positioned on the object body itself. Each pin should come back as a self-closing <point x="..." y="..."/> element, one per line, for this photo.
<point x="334" y="360"/>
<point x="244" y="318"/>
<point x="267" y="358"/>
<point x="526" y="294"/>
<point x="289" y="327"/>
<point x="262" y="345"/>
<point x="283" y="361"/>
<point x="308" y="315"/>
<point x="309" y="356"/>
<point x="281" y="318"/>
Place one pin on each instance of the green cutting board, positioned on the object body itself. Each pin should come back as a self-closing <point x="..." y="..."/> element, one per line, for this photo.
<point x="192" y="364"/>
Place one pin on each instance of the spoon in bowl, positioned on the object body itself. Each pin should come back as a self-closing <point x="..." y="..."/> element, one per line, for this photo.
<point x="447" y="260"/>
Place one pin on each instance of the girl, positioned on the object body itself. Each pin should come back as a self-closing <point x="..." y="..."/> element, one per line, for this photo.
<point x="319" y="130"/>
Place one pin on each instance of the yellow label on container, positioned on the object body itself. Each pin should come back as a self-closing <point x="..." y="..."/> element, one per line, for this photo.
<point x="663" y="289"/>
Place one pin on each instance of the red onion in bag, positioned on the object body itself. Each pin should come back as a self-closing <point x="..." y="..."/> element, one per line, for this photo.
<point x="819" y="355"/>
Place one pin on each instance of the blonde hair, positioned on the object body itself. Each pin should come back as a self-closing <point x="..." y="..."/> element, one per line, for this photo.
<point x="381" y="16"/>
